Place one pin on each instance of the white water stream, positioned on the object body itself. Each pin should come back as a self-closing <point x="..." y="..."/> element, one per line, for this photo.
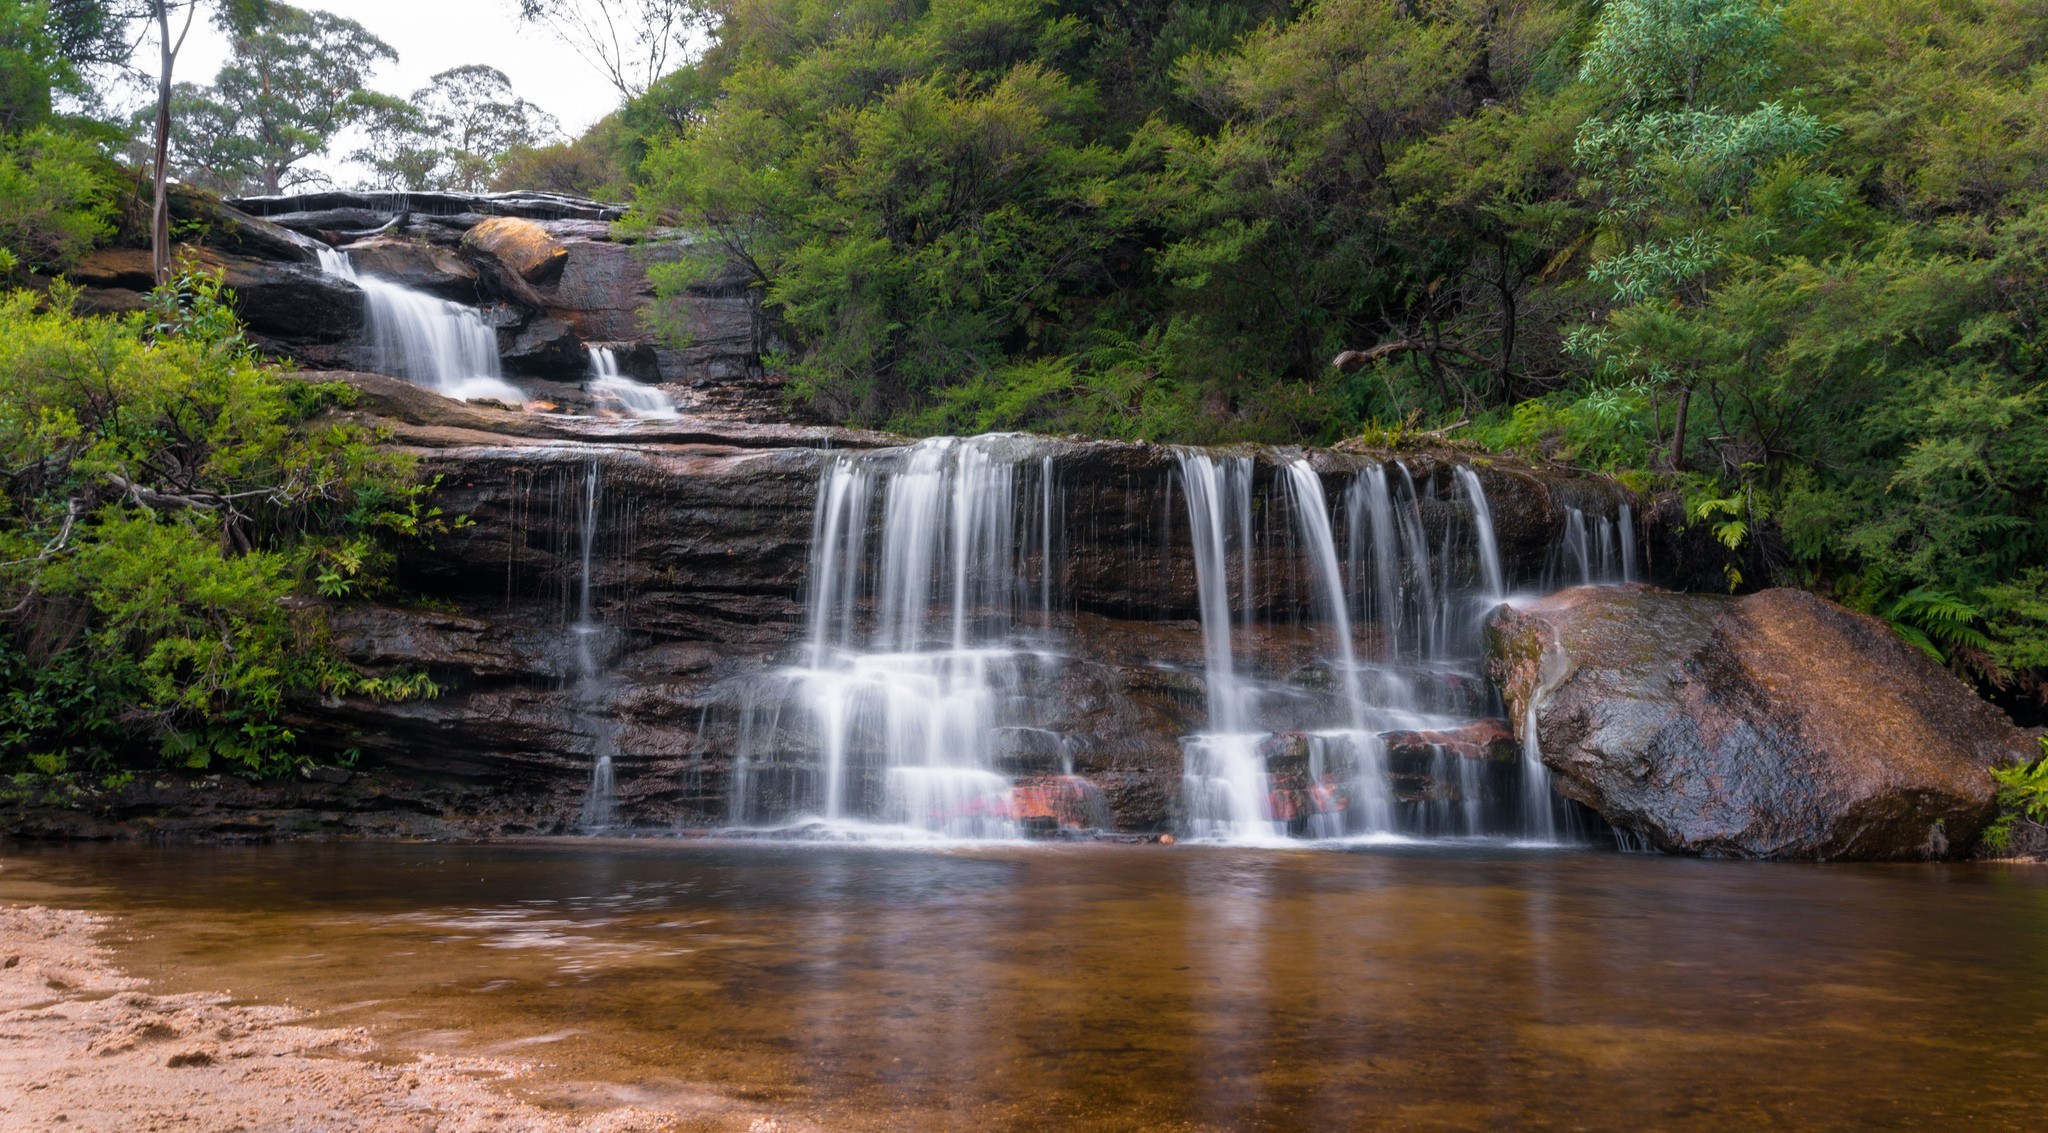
<point x="911" y="701"/>
<point x="610" y="386"/>
<point x="443" y="346"/>
<point x="922" y="697"/>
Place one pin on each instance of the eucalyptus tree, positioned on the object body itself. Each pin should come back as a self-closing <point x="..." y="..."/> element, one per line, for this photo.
<point x="293" y="81"/>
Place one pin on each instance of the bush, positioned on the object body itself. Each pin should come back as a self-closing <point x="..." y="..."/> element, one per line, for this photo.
<point x="177" y="511"/>
<point x="56" y="198"/>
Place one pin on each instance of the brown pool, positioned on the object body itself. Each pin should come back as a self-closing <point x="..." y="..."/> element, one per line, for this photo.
<point x="1134" y="987"/>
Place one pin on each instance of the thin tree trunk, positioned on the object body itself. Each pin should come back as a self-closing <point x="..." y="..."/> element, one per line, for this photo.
<point x="1678" y="429"/>
<point x="160" y="207"/>
<point x="160" y="210"/>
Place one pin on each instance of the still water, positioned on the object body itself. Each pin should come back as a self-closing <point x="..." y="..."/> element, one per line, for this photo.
<point x="1132" y="987"/>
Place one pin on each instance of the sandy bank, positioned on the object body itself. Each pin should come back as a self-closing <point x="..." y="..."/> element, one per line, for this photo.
<point x="85" y="1047"/>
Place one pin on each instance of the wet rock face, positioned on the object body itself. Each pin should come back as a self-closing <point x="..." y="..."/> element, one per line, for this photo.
<point x="697" y="576"/>
<point x="1776" y="725"/>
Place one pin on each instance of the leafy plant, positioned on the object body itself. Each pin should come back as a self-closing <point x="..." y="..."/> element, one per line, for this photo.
<point x="2022" y="794"/>
<point x="176" y="514"/>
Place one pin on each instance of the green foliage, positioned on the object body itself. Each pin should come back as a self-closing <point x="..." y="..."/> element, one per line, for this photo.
<point x="2022" y="793"/>
<point x="1683" y="52"/>
<point x="56" y="198"/>
<point x="173" y="508"/>
<point x="1788" y="259"/>
<point x="32" y="66"/>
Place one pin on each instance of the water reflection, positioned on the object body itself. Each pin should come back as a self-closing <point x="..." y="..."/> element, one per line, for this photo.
<point x="1138" y="987"/>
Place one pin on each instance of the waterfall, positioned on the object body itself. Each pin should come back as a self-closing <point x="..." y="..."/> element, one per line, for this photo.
<point x="586" y="633"/>
<point x="1224" y="775"/>
<point x="1339" y="660"/>
<point x="1594" y="550"/>
<point x="1372" y="524"/>
<point x="1282" y="755"/>
<point x="1370" y="799"/>
<point x="1539" y="801"/>
<point x="1482" y="524"/>
<point x="915" y="687"/>
<point x="1628" y="543"/>
<point x="1429" y="643"/>
<point x="443" y="346"/>
<point x="1577" y="550"/>
<point x="610" y="386"/>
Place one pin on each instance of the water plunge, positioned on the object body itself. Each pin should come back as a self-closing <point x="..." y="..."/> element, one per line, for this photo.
<point x="1306" y="752"/>
<point x="1339" y="653"/>
<point x="586" y="643"/>
<point x="610" y="386"/>
<point x="443" y="346"/>
<point x="915" y="688"/>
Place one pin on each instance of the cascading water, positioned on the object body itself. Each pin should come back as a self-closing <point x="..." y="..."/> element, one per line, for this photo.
<point x="445" y="347"/>
<point x="1225" y="786"/>
<point x="1280" y="757"/>
<point x="1369" y="800"/>
<point x="586" y="634"/>
<point x="1594" y="550"/>
<point x="1482" y="527"/>
<point x="912" y="699"/>
<point x="1339" y="655"/>
<point x="610" y="385"/>
<point x="1628" y="543"/>
<point x="1540" y="805"/>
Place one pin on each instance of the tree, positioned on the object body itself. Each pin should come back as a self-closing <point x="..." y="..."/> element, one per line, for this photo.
<point x="31" y="65"/>
<point x="630" y="42"/>
<point x="293" y="82"/>
<point x="235" y="14"/>
<point x="1674" y="173"/>
<point x="397" y="148"/>
<point x="453" y="134"/>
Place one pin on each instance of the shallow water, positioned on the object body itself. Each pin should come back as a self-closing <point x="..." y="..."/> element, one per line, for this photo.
<point x="1133" y="987"/>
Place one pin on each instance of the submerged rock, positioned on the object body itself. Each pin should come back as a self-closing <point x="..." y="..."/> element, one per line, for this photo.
<point x="1776" y="725"/>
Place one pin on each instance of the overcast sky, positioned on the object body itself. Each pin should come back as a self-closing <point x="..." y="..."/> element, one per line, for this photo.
<point x="431" y="36"/>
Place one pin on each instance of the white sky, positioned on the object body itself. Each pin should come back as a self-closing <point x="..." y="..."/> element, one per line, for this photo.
<point x="431" y="36"/>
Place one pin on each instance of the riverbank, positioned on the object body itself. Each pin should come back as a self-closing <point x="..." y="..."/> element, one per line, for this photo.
<point x="85" y="1046"/>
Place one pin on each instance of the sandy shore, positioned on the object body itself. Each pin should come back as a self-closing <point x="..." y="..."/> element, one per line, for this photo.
<point x="85" y="1047"/>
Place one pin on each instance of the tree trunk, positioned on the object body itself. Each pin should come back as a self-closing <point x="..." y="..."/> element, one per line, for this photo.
<point x="160" y="209"/>
<point x="1678" y="429"/>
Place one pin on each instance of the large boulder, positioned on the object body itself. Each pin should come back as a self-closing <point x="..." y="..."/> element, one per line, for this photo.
<point x="518" y="246"/>
<point x="1776" y="725"/>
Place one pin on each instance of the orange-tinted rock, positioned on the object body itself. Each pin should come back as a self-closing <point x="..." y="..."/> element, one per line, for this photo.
<point x="1776" y="725"/>
<point x="1058" y="802"/>
<point x="523" y="247"/>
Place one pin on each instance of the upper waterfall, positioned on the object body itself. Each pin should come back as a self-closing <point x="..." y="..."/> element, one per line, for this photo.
<point x="431" y="342"/>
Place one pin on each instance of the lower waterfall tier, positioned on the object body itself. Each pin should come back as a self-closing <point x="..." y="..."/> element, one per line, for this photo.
<point x="695" y="626"/>
<point x="748" y="681"/>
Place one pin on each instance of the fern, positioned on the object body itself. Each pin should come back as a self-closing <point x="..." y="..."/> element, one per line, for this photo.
<point x="1937" y="622"/>
<point x="2022" y="793"/>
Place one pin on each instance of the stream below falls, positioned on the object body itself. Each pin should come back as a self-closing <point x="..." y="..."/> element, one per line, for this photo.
<point x="1094" y="987"/>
